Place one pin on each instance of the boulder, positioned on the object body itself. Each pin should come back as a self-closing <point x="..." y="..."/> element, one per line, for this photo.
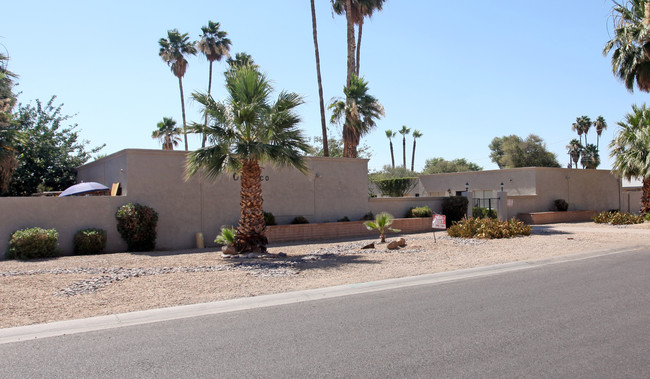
<point x="370" y="246"/>
<point x="401" y="242"/>
<point x="228" y="250"/>
<point x="393" y="245"/>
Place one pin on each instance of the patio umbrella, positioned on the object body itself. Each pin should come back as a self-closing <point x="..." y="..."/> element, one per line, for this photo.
<point x="82" y="188"/>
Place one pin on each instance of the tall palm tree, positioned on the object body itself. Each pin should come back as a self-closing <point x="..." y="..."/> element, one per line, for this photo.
<point x="241" y="59"/>
<point x="9" y="133"/>
<point x="582" y="126"/>
<point x="590" y="157"/>
<point x="167" y="133"/>
<point x="416" y="134"/>
<point x="600" y="124"/>
<point x="358" y="113"/>
<point x="326" y="151"/>
<point x="630" y="44"/>
<point x="575" y="149"/>
<point x="215" y="45"/>
<point x="390" y="135"/>
<point x="404" y="132"/>
<point x="173" y="51"/>
<point x="630" y="149"/>
<point x="246" y="131"/>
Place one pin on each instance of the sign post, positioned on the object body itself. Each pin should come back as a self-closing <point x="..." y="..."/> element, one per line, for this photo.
<point x="439" y="223"/>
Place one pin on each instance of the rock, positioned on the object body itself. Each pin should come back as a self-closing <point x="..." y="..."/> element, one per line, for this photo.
<point x="253" y="255"/>
<point x="401" y="242"/>
<point x="393" y="245"/>
<point x="370" y="246"/>
<point x="228" y="250"/>
<point x="282" y="255"/>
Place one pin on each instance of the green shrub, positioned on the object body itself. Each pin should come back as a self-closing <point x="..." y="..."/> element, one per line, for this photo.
<point x="488" y="228"/>
<point x="617" y="218"/>
<point x="561" y="205"/>
<point x="454" y="208"/>
<point x="89" y="241"/>
<point x="343" y="219"/>
<point x="33" y="243"/>
<point x="396" y="187"/>
<point x="424" y="211"/>
<point x="300" y="220"/>
<point x="368" y="217"/>
<point x="479" y="212"/>
<point x="269" y="219"/>
<point x="137" y="225"/>
<point x="227" y="236"/>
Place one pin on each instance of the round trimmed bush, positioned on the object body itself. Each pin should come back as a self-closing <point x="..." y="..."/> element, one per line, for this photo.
<point x="33" y="243"/>
<point x="89" y="241"/>
<point x="137" y="225"/>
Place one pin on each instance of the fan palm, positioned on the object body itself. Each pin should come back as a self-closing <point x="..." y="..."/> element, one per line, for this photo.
<point x="326" y="152"/>
<point x="600" y="124"/>
<point x="631" y="44"/>
<point x="244" y="132"/>
<point x="582" y="126"/>
<point x="173" y="51"/>
<point x="630" y="149"/>
<point x="358" y="113"/>
<point x="241" y="59"/>
<point x="167" y="133"/>
<point x="215" y="45"/>
<point x="382" y="223"/>
<point x="575" y="149"/>
<point x="404" y="132"/>
<point x="416" y="134"/>
<point x="390" y="135"/>
<point x="590" y="157"/>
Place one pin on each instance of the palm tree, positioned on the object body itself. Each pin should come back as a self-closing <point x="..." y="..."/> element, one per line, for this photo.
<point x="9" y="133"/>
<point x="590" y="157"/>
<point x="382" y="223"/>
<point x="582" y="126"/>
<point x="404" y="132"/>
<point x="358" y="114"/>
<point x="600" y="124"/>
<point x="416" y="134"/>
<point x="173" y="50"/>
<point x="167" y="133"/>
<point x="241" y="59"/>
<point x="631" y="57"/>
<point x="630" y="149"/>
<point x="326" y="151"/>
<point x="390" y="135"/>
<point x="575" y="149"/>
<point x="246" y="131"/>
<point x="215" y="45"/>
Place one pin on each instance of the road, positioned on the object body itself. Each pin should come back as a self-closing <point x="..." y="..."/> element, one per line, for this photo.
<point x="585" y="318"/>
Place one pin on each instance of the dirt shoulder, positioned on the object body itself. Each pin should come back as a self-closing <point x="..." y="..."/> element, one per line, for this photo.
<point x="84" y="286"/>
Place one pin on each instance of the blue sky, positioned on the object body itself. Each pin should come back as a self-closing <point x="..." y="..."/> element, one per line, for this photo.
<point x="460" y="72"/>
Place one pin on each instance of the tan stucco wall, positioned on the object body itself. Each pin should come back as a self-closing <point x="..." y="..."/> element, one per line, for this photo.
<point x="631" y="200"/>
<point x="400" y="205"/>
<point x="517" y="182"/>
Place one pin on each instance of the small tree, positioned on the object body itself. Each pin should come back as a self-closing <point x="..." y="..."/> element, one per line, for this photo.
<point x="382" y="223"/>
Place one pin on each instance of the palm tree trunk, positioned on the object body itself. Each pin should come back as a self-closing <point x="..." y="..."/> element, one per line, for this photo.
<point x="392" y="157"/>
<point x="413" y="157"/>
<point x="180" y="84"/>
<point x="251" y="228"/>
<point x="404" y="150"/>
<point x="357" y="64"/>
<point x="645" y="197"/>
<point x="350" y="37"/>
<point x="205" y="137"/>
<point x="326" y="151"/>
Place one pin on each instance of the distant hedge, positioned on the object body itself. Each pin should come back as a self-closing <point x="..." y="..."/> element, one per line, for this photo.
<point x="396" y="187"/>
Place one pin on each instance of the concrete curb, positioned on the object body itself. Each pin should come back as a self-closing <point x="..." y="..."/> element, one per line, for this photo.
<point x="31" y="332"/>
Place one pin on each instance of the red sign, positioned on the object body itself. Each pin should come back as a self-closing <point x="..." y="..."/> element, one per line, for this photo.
<point x="439" y="222"/>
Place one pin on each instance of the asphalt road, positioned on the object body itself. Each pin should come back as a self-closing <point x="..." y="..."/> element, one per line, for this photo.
<point x="586" y="318"/>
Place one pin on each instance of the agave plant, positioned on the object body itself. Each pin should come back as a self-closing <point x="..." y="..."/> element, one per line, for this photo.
<point x="382" y="223"/>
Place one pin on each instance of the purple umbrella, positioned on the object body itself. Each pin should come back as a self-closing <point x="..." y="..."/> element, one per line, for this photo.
<point x="82" y="188"/>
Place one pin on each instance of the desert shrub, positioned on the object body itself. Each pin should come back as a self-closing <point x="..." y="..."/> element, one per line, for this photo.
<point x="617" y="218"/>
<point x="488" y="228"/>
<point x="343" y="219"/>
<point x="227" y="236"/>
<point x="33" y="243"/>
<point x="137" y="225"/>
<point x="269" y="218"/>
<point x="300" y="220"/>
<point x="454" y="208"/>
<point x="424" y="211"/>
<point x="396" y="187"/>
<point x="561" y="205"/>
<point x="382" y="224"/>
<point x="89" y="241"/>
<point x="479" y="212"/>
<point x="368" y="217"/>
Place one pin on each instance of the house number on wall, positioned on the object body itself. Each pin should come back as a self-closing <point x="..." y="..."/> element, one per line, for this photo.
<point x="263" y="178"/>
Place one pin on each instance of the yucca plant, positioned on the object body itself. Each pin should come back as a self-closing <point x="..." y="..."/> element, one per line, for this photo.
<point x="382" y="223"/>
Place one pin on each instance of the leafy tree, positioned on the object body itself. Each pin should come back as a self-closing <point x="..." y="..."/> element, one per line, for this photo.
<point x="245" y="131"/>
<point x="50" y="152"/>
<point x="215" y="45"/>
<point x="173" y="51"/>
<point x="404" y="132"/>
<point x="358" y="114"/>
<point x="416" y="135"/>
<point x="167" y="133"/>
<point x="388" y="172"/>
<point x="631" y="52"/>
<point x="511" y="151"/>
<point x="575" y="150"/>
<point x="630" y="149"/>
<point x="9" y="135"/>
<point x="390" y="134"/>
<point x="440" y="166"/>
<point x="336" y="148"/>
<point x="321" y="102"/>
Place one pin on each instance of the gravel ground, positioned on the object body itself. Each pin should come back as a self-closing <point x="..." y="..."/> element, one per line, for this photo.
<point x="84" y="286"/>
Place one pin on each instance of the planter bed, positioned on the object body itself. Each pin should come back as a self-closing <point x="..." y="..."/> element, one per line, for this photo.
<point x="536" y="218"/>
<point x="331" y="230"/>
